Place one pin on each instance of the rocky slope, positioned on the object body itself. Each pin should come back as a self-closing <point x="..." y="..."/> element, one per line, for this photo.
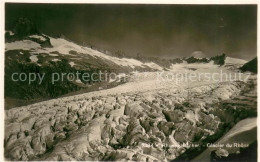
<point x="250" y="66"/>
<point x="27" y="50"/>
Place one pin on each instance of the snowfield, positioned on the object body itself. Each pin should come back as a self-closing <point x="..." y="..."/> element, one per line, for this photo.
<point x="137" y="120"/>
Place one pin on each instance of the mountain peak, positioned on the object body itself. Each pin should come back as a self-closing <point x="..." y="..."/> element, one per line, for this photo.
<point x="198" y="54"/>
<point x="24" y="27"/>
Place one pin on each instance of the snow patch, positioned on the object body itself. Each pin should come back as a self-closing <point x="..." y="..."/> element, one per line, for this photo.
<point x="153" y="66"/>
<point x="38" y="37"/>
<point x="10" y="32"/>
<point x="230" y="60"/>
<point x="51" y="54"/>
<point x="22" y="45"/>
<point x="117" y="77"/>
<point x="55" y="60"/>
<point x="78" y="81"/>
<point x="126" y="62"/>
<point x="72" y="64"/>
<point x="34" y="58"/>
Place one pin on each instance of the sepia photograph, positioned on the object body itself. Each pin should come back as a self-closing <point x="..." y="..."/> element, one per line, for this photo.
<point x="130" y="82"/>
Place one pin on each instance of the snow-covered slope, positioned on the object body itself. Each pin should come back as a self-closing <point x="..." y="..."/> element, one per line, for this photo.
<point x="22" y="45"/>
<point x="65" y="48"/>
<point x="236" y="61"/>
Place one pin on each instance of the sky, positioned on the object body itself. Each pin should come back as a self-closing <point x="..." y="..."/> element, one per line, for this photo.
<point x="167" y="31"/>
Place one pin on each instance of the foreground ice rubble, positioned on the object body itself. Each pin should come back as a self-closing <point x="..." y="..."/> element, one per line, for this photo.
<point x="140" y="120"/>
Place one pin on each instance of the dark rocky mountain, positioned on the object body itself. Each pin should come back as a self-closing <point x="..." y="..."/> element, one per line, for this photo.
<point x="250" y="66"/>
<point x="24" y="27"/>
